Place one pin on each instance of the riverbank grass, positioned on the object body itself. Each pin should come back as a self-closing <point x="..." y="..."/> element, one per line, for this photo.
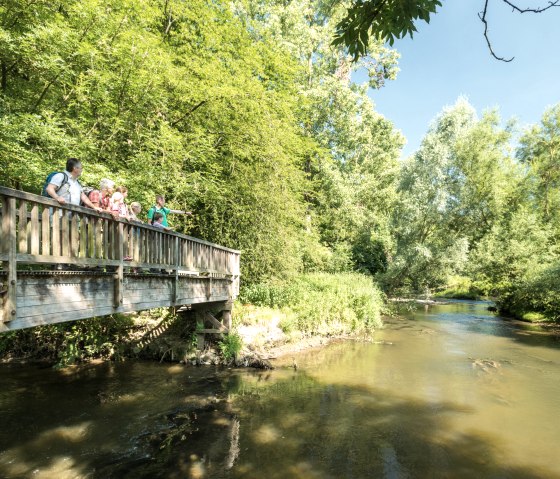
<point x="311" y="304"/>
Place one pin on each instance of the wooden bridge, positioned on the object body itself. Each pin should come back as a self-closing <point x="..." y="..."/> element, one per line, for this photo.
<point x="63" y="263"/>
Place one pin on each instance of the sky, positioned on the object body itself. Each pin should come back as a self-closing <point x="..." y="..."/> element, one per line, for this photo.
<point x="449" y="57"/>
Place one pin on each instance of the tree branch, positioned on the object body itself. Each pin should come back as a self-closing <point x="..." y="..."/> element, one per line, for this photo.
<point x="556" y="3"/>
<point x="482" y="16"/>
<point x="192" y="110"/>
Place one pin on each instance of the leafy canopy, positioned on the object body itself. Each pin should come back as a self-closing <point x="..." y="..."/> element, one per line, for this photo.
<point x="385" y="20"/>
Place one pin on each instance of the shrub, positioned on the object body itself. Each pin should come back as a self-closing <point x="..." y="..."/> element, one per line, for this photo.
<point x="322" y="303"/>
<point x="230" y="346"/>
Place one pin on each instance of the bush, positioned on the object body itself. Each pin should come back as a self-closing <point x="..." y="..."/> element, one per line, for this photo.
<point x="322" y="303"/>
<point x="230" y="346"/>
<point x="70" y="342"/>
<point x="535" y="295"/>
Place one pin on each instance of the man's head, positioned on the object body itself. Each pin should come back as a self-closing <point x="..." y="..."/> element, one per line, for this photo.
<point x="158" y="217"/>
<point x="160" y="200"/>
<point x="74" y="167"/>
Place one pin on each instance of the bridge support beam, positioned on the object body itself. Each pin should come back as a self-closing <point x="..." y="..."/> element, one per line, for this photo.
<point x="204" y="314"/>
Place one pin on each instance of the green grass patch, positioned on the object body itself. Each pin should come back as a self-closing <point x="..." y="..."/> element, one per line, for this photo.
<point x="534" y="317"/>
<point x="321" y="303"/>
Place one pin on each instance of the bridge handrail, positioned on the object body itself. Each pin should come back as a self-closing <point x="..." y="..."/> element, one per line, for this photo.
<point x="4" y="191"/>
<point x="36" y="229"/>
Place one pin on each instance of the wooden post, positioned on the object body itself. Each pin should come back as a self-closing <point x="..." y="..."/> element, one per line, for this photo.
<point x="9" y="240"/>
<point x="176" y="271"/>
<point x="119" y="276"/>
<point x="226" y="314"/>
<point x="46" y="231"/>
<point x="199" y="326"/>
<point x="35" y="231"/>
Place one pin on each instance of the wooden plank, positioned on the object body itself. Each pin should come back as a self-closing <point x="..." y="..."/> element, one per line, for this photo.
<point x="65" y="233"/>
<point x="56" y="243"/>
<point x="51" y="299"/>
<point x="35" y="231"/>
<point x="29" y="258"/>
<point x="97" y="238"/>
<point x="84" y="237"/>
<point x="119" y="250"/>
<point x="212" y="320"/>
<point x="105" y="226"/>
<point x="226" y="314"/>
<point x="9" y="247"/>
<point x="7" y="227"/>
<point x="79" y="281"/>
<point x="93" y="304"/>
<point x="176" y="261"/>
<point x="74" y="236"/>
<point x="137" y="240"/>
<point x="46" y="232"/>
<point x="22" y="227"/>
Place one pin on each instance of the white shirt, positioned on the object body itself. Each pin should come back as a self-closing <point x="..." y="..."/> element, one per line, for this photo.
<point x="71" y="191"/>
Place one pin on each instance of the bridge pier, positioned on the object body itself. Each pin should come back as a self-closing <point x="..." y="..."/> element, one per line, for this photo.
<point x="210" y="315"/>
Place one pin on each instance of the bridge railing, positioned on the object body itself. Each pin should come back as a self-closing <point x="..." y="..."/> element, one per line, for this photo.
<point x="38" y="230"/>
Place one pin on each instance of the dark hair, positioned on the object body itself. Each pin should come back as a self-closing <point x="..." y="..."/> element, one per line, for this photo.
<point x="71" y="164"/>
<point x="156" y="217"/>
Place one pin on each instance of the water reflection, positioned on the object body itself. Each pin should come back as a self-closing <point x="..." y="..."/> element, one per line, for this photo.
<point x="444" y="392"/>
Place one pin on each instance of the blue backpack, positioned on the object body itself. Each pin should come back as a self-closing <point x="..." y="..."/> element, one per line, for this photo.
<point x="48" y="181"/>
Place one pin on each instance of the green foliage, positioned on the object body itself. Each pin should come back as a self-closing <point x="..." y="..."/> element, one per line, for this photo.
<point x="460" y="287"/>
<point x="322" y="303"/>
<point x="69" y="343"/>
<point x="230" y="346"/>
<point x="383" y="19"/>
<point x="452" y="192"/>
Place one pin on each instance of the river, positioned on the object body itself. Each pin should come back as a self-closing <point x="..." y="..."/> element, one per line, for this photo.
<point x="446" y="391"/>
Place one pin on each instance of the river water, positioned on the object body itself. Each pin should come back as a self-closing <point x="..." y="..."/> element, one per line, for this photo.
<point x="446" y="391"/>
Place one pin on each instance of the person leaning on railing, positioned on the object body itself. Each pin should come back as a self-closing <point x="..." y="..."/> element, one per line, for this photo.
<point x="159" y="207"/>
<point x="70" y="192"/>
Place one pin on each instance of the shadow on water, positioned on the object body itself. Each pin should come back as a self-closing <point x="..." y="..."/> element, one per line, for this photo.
<point x="313" y="430"/>
<point x="147" y="421"/>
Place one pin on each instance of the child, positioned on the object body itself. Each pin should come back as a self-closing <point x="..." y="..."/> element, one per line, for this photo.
<point x="157" y="222"/>
<point x="118" y="207"/>
<point x="134" y="210"/>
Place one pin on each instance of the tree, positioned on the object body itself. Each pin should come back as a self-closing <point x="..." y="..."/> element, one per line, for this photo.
<point x="539" y="149"/>
<point x="387" y="20"/>
<point x="452" y="192"/>
<point x="353" y="169"/>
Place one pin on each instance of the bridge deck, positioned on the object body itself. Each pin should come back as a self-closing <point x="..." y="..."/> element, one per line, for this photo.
<point x="116" y="266"/>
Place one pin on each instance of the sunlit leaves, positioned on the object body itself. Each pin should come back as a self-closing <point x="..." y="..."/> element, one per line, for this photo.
<point x="385" y="20"/>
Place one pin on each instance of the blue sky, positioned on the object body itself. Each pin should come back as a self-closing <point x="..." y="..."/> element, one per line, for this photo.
<point x="448" y="58"/>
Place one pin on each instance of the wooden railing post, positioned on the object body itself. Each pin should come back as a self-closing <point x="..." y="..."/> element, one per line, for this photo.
<point x="119" y="276"/>
<point x="9" y="241"/>
<point x="176" y="257"/>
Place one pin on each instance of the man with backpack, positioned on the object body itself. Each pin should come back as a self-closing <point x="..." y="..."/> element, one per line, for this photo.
<point x="65" y="188"/>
